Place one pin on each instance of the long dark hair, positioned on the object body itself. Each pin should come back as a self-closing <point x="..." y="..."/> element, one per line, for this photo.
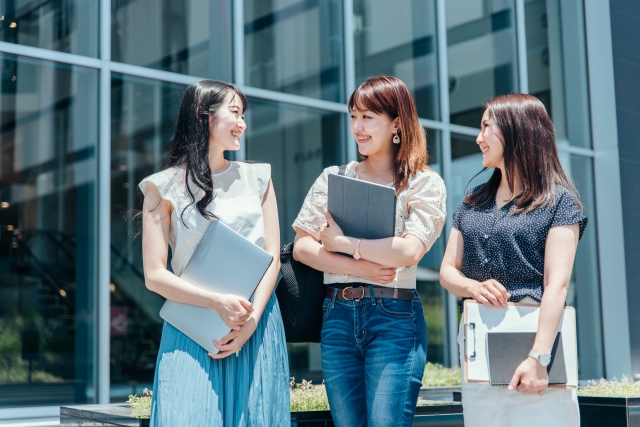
<point x="190" y="143"/>
<point x="530" y="152"/>
<point x="390" y="96"/>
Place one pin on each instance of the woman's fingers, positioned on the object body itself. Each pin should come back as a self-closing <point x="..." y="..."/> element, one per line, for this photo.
<point x="496" y="296"/>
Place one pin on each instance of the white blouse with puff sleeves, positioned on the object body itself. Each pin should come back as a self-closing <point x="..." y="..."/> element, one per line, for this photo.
<point x="420" y="211"/>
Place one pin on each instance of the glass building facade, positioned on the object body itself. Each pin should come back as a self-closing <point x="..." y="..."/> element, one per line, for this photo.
<point x="89" y="95"/>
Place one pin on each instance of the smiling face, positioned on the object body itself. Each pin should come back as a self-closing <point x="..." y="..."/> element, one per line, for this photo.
<point x="227" y="126"/>
<point x="373" y="132"/>
<point x="490" y="144"/>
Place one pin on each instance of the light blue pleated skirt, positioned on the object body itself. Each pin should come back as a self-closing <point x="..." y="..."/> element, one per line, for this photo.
<point x="250" y="389"/>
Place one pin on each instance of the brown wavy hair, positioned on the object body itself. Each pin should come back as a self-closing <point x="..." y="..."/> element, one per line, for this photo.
<point x="390" y="96"/>
<point x="530" y="152"/>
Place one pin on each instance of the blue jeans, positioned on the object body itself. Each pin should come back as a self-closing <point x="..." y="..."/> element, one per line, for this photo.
<point x="373" y="357"/>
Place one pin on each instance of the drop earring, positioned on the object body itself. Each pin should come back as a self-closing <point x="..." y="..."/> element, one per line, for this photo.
<point x="396" y="138"/>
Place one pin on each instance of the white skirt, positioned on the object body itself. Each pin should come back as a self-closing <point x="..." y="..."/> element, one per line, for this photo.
<point x="484" y="405"/>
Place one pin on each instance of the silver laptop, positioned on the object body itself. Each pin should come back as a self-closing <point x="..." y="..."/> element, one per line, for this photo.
<point x="224" y="262"/>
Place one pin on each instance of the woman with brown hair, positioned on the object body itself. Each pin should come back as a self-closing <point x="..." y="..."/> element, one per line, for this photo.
<point x="374" y="338"/>
<point x="514" y="239"/>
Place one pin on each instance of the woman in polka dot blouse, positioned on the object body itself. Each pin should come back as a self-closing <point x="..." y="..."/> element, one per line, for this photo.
<point x="514" y="238"/>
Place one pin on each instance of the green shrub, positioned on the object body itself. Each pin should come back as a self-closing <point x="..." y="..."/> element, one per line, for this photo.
<point x="308" y="397"/>
<point x="623" y="388"/>
<point x="436" y="375"/>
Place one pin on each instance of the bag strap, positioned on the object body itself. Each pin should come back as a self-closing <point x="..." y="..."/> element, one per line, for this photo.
<point x="342" y="170"/>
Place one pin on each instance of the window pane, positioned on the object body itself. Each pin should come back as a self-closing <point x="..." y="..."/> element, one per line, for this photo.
<point x="48" y="138"/>
<point x="555" y="49"/>
<point x="143" y="115"/>
<point x="433" y="295"/>
<point x="466" y="162"/>
<point x="295" y="47"/>
<point x="63" y="25"/>
<point x="399" y="39"/>
<point x="584" y="287"/>
<point x="298" y="143"/>
<point x="188" y="37"/>
<point x="482" y="55"/>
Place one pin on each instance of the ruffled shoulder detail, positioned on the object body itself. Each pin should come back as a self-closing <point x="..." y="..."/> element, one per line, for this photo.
<point x="426" y="200"/>
<point x="170" y="184"/>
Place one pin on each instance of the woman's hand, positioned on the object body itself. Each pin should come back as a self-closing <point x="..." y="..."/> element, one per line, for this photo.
<point x="234" y="340"/>
<point x="530" y="377"/>
<point x="233" y="310"/>
<point x="374" y="272"/>
<point x="332" y="237"/>
<point x="490" y="292"/>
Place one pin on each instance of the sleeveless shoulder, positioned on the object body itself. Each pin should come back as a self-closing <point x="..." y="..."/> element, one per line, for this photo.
<point x="258" y="176"/>
<point x="169" y="182"/>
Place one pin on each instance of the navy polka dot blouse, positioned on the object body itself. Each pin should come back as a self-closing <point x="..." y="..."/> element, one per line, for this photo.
<point x="510" y="248"/>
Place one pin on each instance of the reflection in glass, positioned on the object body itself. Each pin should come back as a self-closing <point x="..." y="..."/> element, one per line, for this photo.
<point x="64" y="25"/>
<point x="433" y="295"/>
<point x="299" y="143"/>
<point x="143" y="115"/>
<point x="482" y="55"/>
<point x="584" y="287"/>
<point x="48" y="139"/>
<point x="295" y="47"/>
<point x="188" y="37"/>
<point x="466" y="162"/>
<point x="557" y="66"/>
<point x="399" y="39"/>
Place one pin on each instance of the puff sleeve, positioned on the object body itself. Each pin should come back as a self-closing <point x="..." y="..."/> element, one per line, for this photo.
<point x="426" y="207"/>
<point x="168" y="182"/>
<point x="311" y="216"/>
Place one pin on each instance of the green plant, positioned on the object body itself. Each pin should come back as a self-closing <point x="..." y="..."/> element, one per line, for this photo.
<point x="614" y="388"/>
<point x="142" y="403"/>
<point x="436" y="375"/>
<point x="308" y="397"/>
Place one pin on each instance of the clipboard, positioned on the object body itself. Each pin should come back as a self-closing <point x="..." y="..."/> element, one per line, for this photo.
<point x="479" y="319"/>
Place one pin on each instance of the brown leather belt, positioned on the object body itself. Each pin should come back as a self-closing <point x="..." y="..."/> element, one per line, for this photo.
<point x="361" y="292"/>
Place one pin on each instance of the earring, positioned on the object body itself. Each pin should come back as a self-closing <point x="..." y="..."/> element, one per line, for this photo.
<point x="396" y="138"/>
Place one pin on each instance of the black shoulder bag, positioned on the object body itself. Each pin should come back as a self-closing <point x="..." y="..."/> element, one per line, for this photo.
<point x="300" y="294"/>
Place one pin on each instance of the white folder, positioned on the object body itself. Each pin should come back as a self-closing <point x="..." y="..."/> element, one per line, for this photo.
<point x="480" y="319"/>
<point x="224" y="262"/>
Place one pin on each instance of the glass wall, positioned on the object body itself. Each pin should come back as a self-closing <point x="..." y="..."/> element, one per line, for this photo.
<point x="48" y="140"/>
<point x="63" y="25"/>
<point x="399" y="39"/>
<point x="295" y="47"/>
<point x="481" y="39"/>
<point x="187" y="37"/>
<point x="556" y="64"/>
<point x="143" y="114"/>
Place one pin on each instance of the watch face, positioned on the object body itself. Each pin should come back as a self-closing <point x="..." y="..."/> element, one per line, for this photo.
<point x="545" y="359"/>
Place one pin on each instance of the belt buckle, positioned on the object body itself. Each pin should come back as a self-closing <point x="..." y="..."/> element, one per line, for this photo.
<point x="354" y="299"/>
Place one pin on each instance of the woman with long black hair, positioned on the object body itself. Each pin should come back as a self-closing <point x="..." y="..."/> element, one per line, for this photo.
<point x="246" y="383"/>
<point x="514" y="239"/>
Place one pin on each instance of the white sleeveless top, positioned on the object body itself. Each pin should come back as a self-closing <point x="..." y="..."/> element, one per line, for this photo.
<point x="420" y="211"/>
<point x="237" y="203"/>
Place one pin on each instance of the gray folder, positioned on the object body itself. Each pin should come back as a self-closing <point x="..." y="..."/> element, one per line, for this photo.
<point x="223" y="262"/>
<point x="507" y="350"/>
<point x="362" y="209"/>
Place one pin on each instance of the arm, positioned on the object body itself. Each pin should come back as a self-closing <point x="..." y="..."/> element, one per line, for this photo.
<point x="156" y="220"/>
<point x="309" y="251"/>
<point x="560" y="251"/>
<point x="234" y="341"/>
<point x="490" y="292"/>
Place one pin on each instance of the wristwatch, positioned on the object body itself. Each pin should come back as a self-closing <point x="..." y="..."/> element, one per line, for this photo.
<point x="356" y="254"/>
<point x="543" y="359"/>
